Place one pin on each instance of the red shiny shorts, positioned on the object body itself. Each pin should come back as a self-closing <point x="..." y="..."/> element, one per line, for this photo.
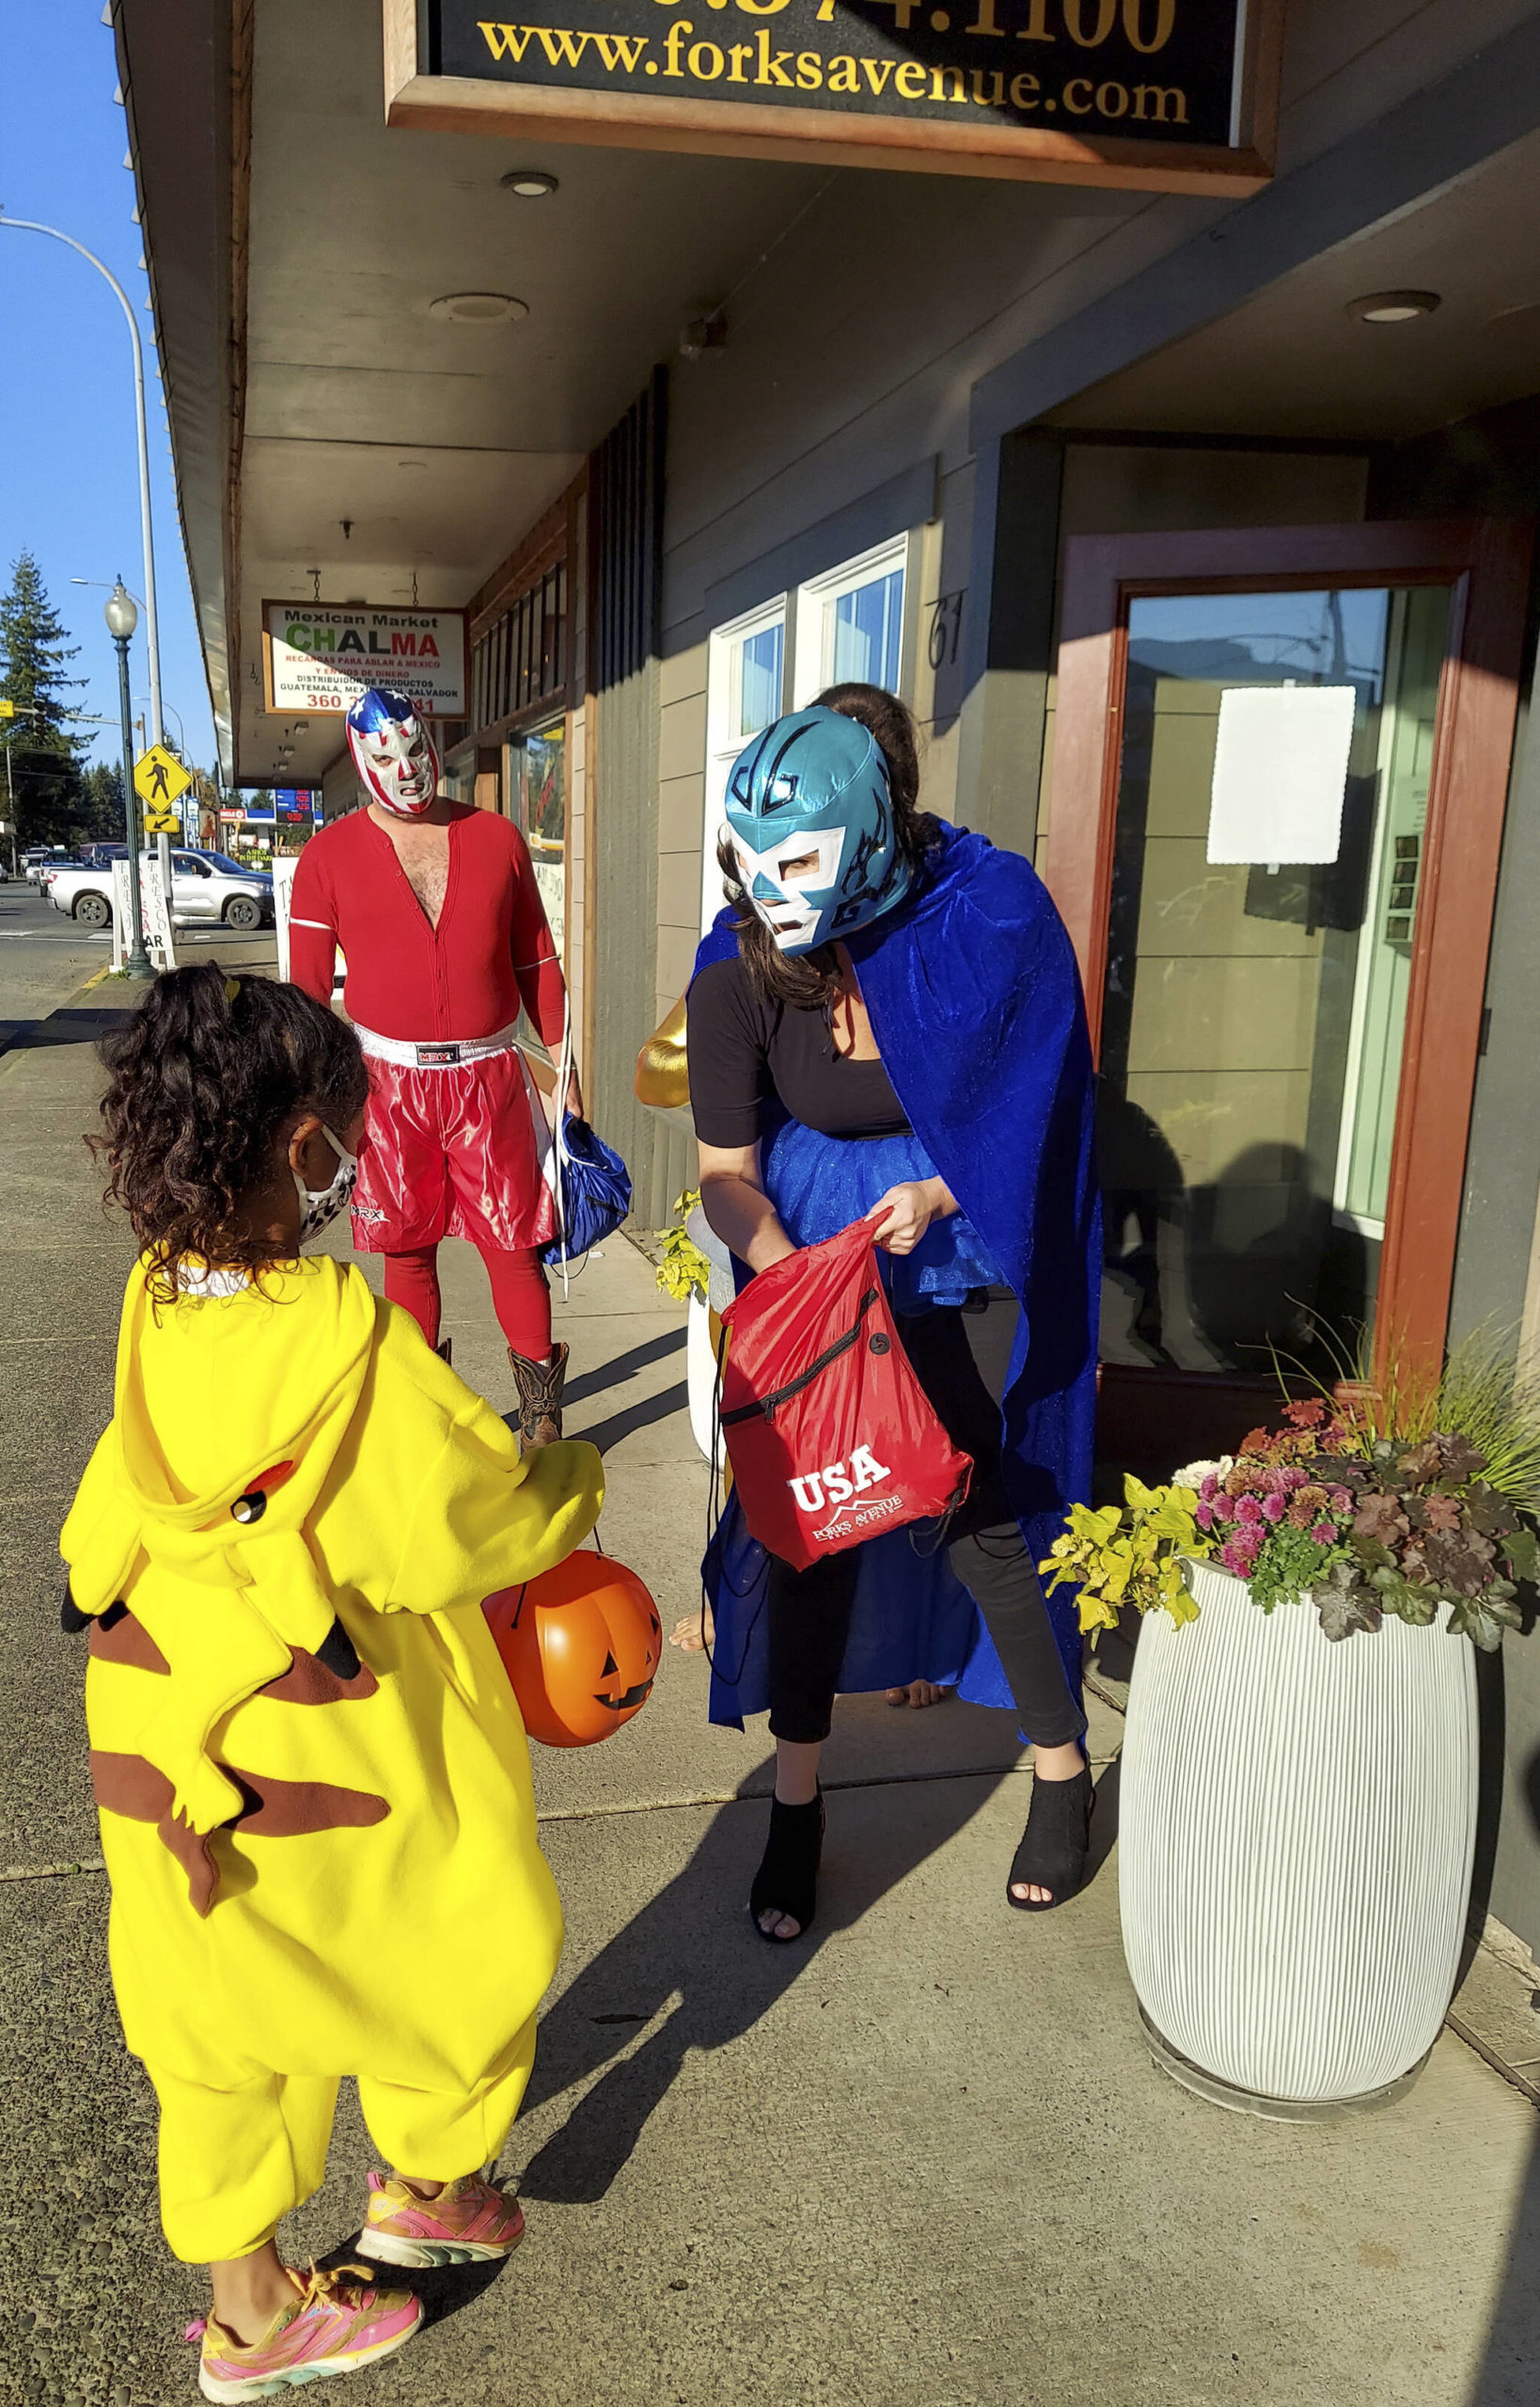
<point x="450" y="1152"/>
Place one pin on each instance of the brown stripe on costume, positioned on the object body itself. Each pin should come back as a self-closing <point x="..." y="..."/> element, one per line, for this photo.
<point x="272" y="1809"/>
<point x="117" y="1636"/>
<point x="289" y="1809"/>
<point x="307" y="1681"/>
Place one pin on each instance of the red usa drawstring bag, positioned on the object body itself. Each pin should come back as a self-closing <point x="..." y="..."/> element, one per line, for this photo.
<point x="831" y="1438"/>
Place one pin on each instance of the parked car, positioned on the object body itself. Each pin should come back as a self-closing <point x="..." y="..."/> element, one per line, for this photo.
<point x="41" y="857"/>
<point x="207" y="889"/>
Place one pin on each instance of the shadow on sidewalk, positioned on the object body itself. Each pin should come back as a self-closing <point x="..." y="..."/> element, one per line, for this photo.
<point x="693" y="1944"/>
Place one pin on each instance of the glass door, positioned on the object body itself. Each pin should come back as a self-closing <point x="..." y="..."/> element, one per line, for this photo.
<point x="1280" y="765"/>
<point x="537" y="779"/>
<point x="1271" y="808"/>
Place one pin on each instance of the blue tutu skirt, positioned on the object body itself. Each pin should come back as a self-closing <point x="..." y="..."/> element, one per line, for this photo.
<point x="913" y="1618"/>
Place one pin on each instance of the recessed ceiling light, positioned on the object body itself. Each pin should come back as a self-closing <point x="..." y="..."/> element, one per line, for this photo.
<point x="530" y="183"/>
<point x="479" y="309"/>
<point x="1393" y="308"/>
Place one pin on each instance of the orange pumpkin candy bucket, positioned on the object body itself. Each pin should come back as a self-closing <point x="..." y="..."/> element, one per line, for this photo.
<point x="581" y="1646"/>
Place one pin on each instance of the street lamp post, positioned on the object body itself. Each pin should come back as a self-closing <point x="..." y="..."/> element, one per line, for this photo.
<point x="123" y="617"/>
<point x="152" y="642"/>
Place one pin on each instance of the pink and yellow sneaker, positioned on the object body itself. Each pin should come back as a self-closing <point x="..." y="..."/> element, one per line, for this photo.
<point x="338" y="2323"/>
<point x="469" y="2223"/>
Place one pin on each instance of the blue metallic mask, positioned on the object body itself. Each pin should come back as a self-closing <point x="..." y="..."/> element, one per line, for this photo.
<point x="811" y="821"/>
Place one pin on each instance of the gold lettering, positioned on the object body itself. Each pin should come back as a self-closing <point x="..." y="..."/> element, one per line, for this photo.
<point x="773" y="64"/>
<point x="985" y="22"/>
<point x="876" y="72"/>
<point x="1112" y="99"/>
<point x="909" y="83"/>
<point x="1133" y="25"/>
<point x="938" y="90"/>
<point x="1079" y="84"/>
<point x="763" y="7"/>
<point x="843" y="75"/>
<point x="562" y="48"/>
<point x="1160" y="94"/>
<point x="739" y="52"/>
<point x="1036" y="27"/>
<point x="1075" y="25"/>
<point x="505" y="41"/>
<point x="995" y="100"/>
<point x="702" y="73"/>
<point x="679" y="32"/>
<point x="810" y="72"/>
<point x="1023" y="91"/>
<point x="620" y="50"/>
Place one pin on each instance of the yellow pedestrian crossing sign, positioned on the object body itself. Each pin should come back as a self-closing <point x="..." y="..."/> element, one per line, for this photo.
<point x="159" y="777"/>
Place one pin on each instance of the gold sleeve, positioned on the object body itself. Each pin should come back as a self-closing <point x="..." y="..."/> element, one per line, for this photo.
<point x="663" y="1071"/>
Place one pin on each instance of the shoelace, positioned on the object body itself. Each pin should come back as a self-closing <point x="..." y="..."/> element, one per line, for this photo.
<point x="319" y="2288"/>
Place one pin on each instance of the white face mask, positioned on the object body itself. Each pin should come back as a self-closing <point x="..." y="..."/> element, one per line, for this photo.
<point x="321" y="1205"/>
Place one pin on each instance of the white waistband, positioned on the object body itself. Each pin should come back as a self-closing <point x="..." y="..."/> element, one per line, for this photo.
<point x="436" y="1053"/>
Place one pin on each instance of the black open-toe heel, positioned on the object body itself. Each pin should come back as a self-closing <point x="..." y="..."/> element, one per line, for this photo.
<point x="1053" y="1845"/>
<point x="787" y="1875"/>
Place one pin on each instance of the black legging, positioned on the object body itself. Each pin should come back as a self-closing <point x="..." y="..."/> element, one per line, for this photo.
<point x="962" y="1357"/>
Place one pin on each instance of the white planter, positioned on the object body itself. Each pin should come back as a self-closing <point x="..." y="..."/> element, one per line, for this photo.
<point x="1296" y="1824"/>
<point x="701" y="1377"/>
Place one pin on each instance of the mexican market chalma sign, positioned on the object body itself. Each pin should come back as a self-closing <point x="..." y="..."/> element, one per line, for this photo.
<point x="1175" y="94"/>
<point x="320" y="656"/>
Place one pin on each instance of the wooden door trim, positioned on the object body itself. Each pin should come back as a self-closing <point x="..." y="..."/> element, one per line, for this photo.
<point x="1485" y="562"/>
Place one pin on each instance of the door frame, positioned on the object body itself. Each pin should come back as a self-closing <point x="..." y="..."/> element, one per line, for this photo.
<point x="1485" y="563"/>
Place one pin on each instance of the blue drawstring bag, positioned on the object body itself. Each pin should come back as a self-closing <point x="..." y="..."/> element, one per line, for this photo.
<point x="592" y="1189"/>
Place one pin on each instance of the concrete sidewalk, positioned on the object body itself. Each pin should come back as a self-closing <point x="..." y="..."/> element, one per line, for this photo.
<point x="923" y="2160"/>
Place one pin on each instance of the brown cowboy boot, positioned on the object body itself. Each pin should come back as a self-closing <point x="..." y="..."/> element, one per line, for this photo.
<point x="540" y="1386"/>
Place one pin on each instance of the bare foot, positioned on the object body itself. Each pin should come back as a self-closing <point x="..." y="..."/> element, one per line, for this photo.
<point x="919" y="1692"/>
<point x="693" y="1632"/>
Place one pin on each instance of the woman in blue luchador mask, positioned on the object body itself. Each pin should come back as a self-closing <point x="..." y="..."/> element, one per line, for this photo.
<point x="885" y="1021"/>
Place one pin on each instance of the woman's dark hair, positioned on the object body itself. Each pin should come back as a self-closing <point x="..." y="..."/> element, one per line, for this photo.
<point x="809" y="981"/>
<point x="200" y="1084"/>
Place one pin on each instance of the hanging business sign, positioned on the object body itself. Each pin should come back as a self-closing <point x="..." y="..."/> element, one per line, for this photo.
<point x="1170" y="95"/>
<point x="320" y="656"/>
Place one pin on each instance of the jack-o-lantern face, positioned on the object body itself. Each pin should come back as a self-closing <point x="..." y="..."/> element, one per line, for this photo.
<point x="581" y="1646"/>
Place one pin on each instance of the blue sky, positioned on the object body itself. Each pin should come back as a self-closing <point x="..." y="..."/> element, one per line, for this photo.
<point x="69" y="474"/>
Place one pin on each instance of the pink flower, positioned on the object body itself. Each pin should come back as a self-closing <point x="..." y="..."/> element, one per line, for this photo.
<point x="1234" y="1560"/>
<point x="1223" y="1508"/>
<point x="1341" y="1500"/>
<point x="1248" y="1509"/>
<point x="1276" y="1505"/>
<point x="1209" y="1489"/>
<point x="1293" y="1475"/>
<point x="1203" y="1516"/>
<point x="1324" y="1533"/>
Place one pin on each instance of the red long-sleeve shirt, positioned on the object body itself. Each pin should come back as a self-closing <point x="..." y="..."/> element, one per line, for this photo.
<point x="491" y="951"/>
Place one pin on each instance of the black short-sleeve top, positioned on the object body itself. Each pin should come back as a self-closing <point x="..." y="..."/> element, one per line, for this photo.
<point x="744" y="1050"/>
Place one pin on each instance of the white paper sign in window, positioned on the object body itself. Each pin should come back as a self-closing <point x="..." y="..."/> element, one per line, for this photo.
<point x="1281" y="772"/>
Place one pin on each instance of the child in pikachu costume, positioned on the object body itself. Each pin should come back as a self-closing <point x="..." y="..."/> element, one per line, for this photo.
<point x="312" y="1775"/>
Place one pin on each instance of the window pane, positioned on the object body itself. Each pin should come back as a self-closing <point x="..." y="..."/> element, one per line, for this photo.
<point x="542" y="809"/>
<point x="758" y="679"/>
<point x="867" y="627"/>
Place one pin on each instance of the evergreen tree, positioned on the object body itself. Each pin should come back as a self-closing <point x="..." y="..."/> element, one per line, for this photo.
<point x="44" y="765"/>
<point x="101" y="808"/>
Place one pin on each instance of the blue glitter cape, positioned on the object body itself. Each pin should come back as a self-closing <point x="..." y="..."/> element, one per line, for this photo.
<point x="974" y="999"/>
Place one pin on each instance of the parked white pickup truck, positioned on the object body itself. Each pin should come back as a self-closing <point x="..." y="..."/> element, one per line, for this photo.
<point x="205" y="887"/>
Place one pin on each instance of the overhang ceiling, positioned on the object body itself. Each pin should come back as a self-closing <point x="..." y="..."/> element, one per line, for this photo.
<point x="439" y="443"/>
<point x="1291" y="362"/>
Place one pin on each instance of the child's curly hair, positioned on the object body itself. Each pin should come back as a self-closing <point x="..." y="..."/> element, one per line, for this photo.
<point x="200" y="1082"/>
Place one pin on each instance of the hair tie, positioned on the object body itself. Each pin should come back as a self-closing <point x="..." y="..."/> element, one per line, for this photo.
<point x="233" y="988"/>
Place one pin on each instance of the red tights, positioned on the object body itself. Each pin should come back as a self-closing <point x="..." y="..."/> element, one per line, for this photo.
<point x="520" y="1296"/>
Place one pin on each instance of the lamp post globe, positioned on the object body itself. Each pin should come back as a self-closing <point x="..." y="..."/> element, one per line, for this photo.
<point x="123" y="617"/>
<point x="120" y="613"/>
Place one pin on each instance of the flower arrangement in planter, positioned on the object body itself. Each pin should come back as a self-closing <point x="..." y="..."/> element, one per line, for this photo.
<point x="1298" y="1819"/>
<point x="1328" y="1507"/>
